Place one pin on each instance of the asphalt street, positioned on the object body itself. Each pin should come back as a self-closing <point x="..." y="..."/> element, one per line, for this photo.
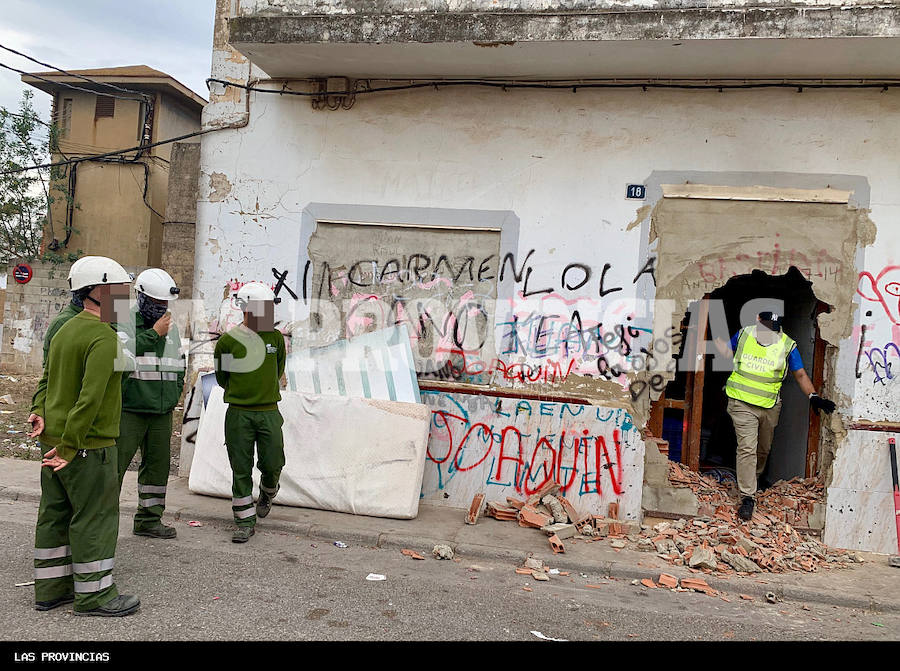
<point x="278" y="586"/>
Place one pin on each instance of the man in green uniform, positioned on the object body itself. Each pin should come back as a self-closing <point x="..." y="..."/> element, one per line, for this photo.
<point x="77" y="417"/>
<point x="249" y="364"/>
<point x="762" y="357"/>
<point x="149" y="394"/>
<point x="75" y="306"/>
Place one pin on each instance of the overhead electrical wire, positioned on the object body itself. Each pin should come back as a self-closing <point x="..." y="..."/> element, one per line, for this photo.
<point x="117" y="152"/>
<point x="68" y="85"/>
<point x="563" y="85"/>
<point x="73" y="74"/>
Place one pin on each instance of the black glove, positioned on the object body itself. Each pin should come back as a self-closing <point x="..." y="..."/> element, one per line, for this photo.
<point x="819" y="403"/>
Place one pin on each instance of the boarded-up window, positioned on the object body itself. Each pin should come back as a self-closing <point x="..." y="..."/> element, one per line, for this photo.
<point x="106" y="107"/>
<point x="439" y="281"/>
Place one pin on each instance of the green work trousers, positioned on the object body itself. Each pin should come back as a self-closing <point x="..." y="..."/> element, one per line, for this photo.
<point x="77" y="529"/>
<point x="152" y="435"/>
<point x="243" y="428"/>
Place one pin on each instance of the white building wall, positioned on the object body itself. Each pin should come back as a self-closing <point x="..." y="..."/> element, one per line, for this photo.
<point x="560" y="161"/>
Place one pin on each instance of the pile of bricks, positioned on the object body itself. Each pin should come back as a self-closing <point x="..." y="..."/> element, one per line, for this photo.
<point x="792" y="501"/>
<point x="717" y="541"/>
<point x="553" y="514"/>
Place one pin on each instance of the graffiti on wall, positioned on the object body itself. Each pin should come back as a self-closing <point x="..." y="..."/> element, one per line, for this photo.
<point x="881" y="292"/>
<point x="512" y="447"/>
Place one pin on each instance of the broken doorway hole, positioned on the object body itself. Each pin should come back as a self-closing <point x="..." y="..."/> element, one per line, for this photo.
<point x="691" y="413"/>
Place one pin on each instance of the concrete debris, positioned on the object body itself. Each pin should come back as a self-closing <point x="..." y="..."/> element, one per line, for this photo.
<point x="540" y="576"/>
<point x="587" y="530"/>
<point x="702" y="558"/>
<point x="442" y="552"/>
<point x="774" y="540"/>
<point x="556" y="509"/>
<point x="563" y="531"/>
<point x="739" y="562"/>
<point x="617" y="544"/>
<point x="770" y="597"/>
<point x="646" y="545"/>
<point x="532" y="563"/>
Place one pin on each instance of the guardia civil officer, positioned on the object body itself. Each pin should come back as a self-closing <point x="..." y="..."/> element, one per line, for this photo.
<point x="249" y="362"/>
<point x="77" y="417"/>
<point x="762" y="357"/>
<point x="149" y="395"/>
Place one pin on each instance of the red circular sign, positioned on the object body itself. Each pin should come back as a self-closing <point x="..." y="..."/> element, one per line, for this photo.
<point x="22" y="273"/>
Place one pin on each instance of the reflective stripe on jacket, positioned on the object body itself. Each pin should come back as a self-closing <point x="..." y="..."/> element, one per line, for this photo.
<point x="155" y="385"/>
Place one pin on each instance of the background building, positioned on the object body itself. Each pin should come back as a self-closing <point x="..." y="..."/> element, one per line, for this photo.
<point x="116" y="205"/>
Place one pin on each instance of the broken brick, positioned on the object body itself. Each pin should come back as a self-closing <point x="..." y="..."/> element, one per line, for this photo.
<point x="667" y="580"/>
<point x="613" y="511"/>
<point x="556" y="545"/>
<point x="647" y="582"/>
<point x="515" y="503"/>
<point x="523" y="571"/>
<point x="410" y="553"/>
<point x="475" y="509"/>
<point x="529" y="517"/>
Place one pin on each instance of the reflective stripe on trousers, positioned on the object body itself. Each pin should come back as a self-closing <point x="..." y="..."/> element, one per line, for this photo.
<point x="53" y="553"/>
<point x="93" y="585"/>
<point x="94" y="566"/>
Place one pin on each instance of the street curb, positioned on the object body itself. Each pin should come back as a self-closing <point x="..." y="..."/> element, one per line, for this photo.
<point x="602" y="568"/>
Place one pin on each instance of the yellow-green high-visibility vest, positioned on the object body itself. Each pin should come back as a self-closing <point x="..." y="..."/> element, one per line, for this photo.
<point x="758" y="370"/>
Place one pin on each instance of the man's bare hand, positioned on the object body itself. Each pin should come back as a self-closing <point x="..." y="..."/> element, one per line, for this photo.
<point x="37" y="425"/>
<point x="163" y="324"/>
<point x="53" y="461"/>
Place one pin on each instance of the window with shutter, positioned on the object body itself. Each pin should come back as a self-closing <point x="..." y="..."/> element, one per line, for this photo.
<point x="106" y="107"/>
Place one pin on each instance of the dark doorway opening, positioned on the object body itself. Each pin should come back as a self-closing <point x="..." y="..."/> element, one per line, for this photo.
<point x="691" y="413"/>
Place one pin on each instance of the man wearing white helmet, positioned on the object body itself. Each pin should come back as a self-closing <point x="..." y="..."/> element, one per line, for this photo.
<point x="75" y="306"/>
<point x="149" y="394"/>
<point x="77" y="416"/>
<point x="249" y="364"/>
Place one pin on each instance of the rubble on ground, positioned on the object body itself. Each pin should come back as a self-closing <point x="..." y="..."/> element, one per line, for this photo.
<point x="555" y="515"/>
<point x="718" y="541"/>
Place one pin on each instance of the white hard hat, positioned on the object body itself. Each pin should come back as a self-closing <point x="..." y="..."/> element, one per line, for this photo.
<point x="254" y="291"/>
<point x="92" y="270"/>
<point x="157" y="283"/>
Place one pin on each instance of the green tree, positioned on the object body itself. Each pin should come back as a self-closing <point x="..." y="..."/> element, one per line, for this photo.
<point x="25" y="196"/>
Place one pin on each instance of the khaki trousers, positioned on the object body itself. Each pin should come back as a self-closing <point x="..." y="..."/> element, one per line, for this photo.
<point x="754" y="427"/>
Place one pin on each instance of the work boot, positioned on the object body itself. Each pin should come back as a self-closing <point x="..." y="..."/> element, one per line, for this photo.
<point x="157" y="531"/>
<point x="120" y="606"/>
<point x="745" y="512"/>
<point x="53" y="603"/>
<point x="242" y="534"/>
<point x="264" y="503"/>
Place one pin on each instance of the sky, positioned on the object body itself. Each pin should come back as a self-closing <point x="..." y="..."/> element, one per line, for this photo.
<point x="174" y="36"/>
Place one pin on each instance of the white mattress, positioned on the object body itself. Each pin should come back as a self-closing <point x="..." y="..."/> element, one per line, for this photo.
<point x="352" y="455"/>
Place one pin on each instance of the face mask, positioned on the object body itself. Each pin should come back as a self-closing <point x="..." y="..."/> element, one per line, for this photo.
<point x="150" y="310"/>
